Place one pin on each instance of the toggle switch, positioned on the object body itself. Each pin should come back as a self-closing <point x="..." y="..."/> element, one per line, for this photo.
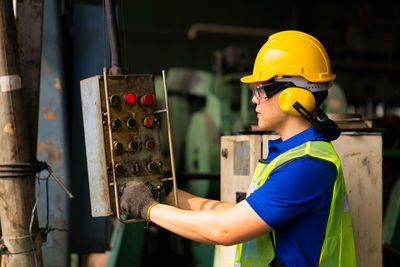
<point x="136" y="168"/>
<point x="149" y="144"/>
<point x="131" y="123"/>
<point x="115" y="123"/>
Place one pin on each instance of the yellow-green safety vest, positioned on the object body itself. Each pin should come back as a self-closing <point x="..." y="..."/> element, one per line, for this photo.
<point x="338" y="244"/>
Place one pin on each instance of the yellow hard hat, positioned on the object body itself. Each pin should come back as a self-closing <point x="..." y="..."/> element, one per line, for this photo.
<point x="291" y="53"/>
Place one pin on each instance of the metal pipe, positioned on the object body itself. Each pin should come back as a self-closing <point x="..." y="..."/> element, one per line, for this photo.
<point x="113" y="37"/>
<point x="171" y="151"/>
<point x="60" y="183"/>
<point x="225" y="29"/>
<point x="111" y="142"/>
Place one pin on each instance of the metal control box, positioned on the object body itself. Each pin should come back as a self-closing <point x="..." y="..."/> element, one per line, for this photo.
<point x="135" y="151"/>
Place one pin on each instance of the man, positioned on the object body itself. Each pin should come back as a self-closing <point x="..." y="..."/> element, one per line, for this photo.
<point x="296" y="211"/>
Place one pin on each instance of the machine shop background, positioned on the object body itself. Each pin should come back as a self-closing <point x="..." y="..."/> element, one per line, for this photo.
<point x="205" y="47"/>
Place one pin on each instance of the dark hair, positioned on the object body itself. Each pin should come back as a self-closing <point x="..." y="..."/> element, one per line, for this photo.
<point x="320" y="97"/>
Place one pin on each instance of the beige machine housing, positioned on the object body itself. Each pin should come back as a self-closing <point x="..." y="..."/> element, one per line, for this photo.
<point x="361" y="157"/>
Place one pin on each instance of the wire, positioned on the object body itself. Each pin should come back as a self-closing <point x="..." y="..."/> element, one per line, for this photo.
<point x="32" y="219"/>
<point x="104" y="35"/>
<point x="48" y="228"/>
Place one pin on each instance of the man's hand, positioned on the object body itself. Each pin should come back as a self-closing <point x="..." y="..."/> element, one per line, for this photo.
<point x="137" y="199"/>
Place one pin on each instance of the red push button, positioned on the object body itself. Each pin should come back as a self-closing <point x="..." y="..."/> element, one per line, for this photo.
<point x="149" y="144"/>
<point x="148" y="122"/>
<point x="130" y="99"/>
<point x="148" y="99"/>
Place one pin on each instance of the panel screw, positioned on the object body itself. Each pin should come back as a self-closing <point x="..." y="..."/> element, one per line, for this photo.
<point x="224" y="152"/>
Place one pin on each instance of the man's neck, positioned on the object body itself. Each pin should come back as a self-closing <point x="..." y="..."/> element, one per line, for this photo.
<point x="292" y="127"/>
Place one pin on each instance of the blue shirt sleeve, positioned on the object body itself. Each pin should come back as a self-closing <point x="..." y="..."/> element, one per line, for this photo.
<point x="296" y="189"/>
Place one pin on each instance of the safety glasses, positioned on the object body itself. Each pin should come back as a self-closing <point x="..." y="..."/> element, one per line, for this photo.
<point x="267" y="90"/>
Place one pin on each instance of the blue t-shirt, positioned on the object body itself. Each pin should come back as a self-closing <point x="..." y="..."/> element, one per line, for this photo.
<point x="295" y="201"/>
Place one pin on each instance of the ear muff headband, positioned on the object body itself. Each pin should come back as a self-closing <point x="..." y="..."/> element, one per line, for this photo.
<point x="290" y="96"/>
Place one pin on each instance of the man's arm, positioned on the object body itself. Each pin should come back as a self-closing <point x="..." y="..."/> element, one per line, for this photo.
<point x="188" y="201"/>
<point x="216" y="226"/>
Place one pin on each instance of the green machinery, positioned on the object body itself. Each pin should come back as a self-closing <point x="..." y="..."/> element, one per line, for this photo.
<point x="391" y="223"/>
<point x="204" y="106"/>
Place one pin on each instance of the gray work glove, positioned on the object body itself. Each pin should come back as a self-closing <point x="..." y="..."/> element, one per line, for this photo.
<point x="137" y="199"/>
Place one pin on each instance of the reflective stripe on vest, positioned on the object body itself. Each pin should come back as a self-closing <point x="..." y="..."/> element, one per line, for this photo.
<point x="338" y="244"/>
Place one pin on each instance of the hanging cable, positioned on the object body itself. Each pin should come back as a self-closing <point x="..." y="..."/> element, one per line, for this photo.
<point x="104" y="35"/>
<point x="113" y="37"/>
<point x="123" y="31"/>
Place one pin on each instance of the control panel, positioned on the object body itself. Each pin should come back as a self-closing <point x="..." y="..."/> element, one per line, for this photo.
<point x="122" y="136"/>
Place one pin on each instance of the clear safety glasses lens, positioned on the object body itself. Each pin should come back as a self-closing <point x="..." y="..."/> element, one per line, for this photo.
<point x="259" y="93"/>
<point x="267" y="90"/>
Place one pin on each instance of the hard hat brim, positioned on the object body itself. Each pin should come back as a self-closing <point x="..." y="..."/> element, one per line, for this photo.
<point x="248" y="79"/>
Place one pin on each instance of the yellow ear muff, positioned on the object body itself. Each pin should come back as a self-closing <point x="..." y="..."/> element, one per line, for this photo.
<point x="289" y="96"/>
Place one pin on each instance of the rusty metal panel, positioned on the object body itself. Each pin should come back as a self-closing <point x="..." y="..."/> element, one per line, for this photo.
<point x="136" y="146"/>
<point x="95" y="154"/>
<point x="52" y="141"/>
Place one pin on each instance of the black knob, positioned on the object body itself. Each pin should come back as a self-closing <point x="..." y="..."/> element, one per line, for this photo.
<point x="152" y="166"/>
<point x="118" y="146"/>
<point x="115" y="101"/>
<point x="131" y="123"/>
<point x="133" y="146"/>
<point x="115" y="123"/>
<point x="119" y="169"/>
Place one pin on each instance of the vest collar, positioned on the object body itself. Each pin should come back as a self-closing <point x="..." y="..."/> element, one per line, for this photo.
<point x="277" y="147"/>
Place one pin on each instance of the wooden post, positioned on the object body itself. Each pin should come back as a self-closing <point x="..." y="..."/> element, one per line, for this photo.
<point x="17" y="194"/>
